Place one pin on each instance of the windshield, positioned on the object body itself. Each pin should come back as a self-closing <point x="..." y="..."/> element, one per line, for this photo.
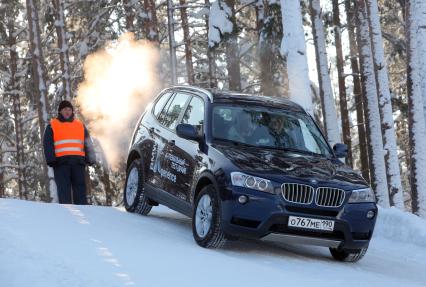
<point x="268" y="128"/>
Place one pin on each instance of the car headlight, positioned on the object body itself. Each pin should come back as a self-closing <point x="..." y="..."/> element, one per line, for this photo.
<point x="253" y="182"/>
<point x="362" y="195"/>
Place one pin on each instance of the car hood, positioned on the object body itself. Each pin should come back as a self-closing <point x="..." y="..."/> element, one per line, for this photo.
<point x="281" y="166"/>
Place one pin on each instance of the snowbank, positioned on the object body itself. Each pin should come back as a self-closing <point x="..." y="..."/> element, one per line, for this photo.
<point x="397" y="225"/>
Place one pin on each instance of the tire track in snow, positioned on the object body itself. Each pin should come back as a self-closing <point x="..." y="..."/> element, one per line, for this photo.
<point x="102" y="250"/>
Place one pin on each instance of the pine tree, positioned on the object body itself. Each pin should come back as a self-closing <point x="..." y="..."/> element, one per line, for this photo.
<point x="343" y="102"/>
<point x="61" y="34"/>
<point x="40" y="83"/>
<point x="357" y="89"/>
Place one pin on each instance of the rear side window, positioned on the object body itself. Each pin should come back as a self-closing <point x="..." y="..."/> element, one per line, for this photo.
<point x="170" y="114"/>
<point x="160" y="104"/>
<point x="194" y="114"/>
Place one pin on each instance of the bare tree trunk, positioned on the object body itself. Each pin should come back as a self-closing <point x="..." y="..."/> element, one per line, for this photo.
<point x="344" y="114"/>
<point x="210" y="55"/>
<point x="416" y="116"/>
<point x="107" y="186"/>
<point x="39" y="79"/>
<point x="293" y="49"/>
<point x="61" y="33"/>
<point x="172" y="43"/>
<point x="385" y="106"/>
<point x="265" y="49"/>
<point x="232" y="52"/>
<point x="187" y="42"/>
<point x="129" y="15"/>
<point x="378" y="167"/>
<point x="324" y="81"/>
<point x="150" y="25"/>
<point x="14" y="93"/>
<point x="357" y="91"/>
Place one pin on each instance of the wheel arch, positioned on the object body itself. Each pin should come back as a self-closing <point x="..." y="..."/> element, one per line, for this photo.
<point x="134" y="154"/>
<point x="205" y="178"/>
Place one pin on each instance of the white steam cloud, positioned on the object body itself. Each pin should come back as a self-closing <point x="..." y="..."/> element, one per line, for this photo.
<point x="119" y="81"/>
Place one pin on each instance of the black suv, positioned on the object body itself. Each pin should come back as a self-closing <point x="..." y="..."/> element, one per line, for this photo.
<point x="247" y="166"/>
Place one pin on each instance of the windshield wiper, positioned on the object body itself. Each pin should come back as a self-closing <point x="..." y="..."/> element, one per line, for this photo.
<point x="285" y="149"/>
<point x="237" y="143"/>
<point x="295" y="150"/>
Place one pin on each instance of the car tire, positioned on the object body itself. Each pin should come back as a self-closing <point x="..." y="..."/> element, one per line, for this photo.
<point x="206" y="219"/>
<point x="348" y="255"/>
<point x="134" y="197"/>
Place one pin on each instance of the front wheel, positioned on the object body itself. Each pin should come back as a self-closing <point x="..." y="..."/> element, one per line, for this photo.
<point x="348" y="255"/>
<point x="206" y="219"/>
<point x="135" y="199"/>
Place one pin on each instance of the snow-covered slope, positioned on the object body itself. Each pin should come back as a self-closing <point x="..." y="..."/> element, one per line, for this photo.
<point x="53" y="245"/>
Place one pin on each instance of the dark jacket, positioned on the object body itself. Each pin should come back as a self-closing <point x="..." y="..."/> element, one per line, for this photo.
<point x="49" y="149"/>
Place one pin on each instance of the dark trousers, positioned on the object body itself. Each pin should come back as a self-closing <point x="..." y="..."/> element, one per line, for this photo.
<point x="71" y="177"/>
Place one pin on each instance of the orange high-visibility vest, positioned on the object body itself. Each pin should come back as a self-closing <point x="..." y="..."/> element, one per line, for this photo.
<point x="68" y="137"/>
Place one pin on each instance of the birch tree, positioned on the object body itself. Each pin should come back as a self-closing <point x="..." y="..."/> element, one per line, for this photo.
<point x="39" y="79"/>
<point x="378" y="169"/>
<point x="324" y="81"/>
<point x="385" y="106"/>
<point x="293" y="49"/>
<point x="416" y="120"/>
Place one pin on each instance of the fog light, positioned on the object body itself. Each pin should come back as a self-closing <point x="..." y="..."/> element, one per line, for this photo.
<point x="242" y="199"/>
<point x="370" y="214"/>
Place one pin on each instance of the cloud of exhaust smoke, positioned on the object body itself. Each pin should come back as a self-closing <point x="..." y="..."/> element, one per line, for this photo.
<point x="119" y="81"/>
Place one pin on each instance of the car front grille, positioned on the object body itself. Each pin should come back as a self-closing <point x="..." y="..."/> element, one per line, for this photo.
<point x="329" y="197"/>
<point x="298" y="193"/>
<point x="305" y="194"/>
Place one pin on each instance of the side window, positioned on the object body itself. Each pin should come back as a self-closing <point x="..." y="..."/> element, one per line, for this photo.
<point x="170" y="114"/>
<point x="160" y="104"/>
<point x="194" y="114"/>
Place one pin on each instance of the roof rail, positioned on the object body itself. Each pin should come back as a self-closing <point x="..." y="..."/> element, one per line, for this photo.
<point x="197" y="89"/>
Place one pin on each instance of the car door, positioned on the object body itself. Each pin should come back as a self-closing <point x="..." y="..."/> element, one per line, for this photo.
<point x="166" y="176"/>
<point x="155" y="142"/>
<point x="183" y="155"/>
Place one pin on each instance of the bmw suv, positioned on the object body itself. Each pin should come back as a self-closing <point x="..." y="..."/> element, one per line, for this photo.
<point x="247" y="166"/>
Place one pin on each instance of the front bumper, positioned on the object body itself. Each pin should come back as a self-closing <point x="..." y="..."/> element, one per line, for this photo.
<point x="266" y="216"/>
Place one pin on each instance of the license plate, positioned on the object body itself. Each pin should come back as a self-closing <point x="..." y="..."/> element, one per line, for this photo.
<point x="310" y="223"/>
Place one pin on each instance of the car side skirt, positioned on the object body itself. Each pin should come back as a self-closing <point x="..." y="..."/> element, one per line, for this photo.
<point x="165" y="198"/>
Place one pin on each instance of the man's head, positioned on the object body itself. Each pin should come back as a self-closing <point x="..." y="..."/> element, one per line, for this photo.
<point x="276" y="124"/>
<point x="66" y="110"/>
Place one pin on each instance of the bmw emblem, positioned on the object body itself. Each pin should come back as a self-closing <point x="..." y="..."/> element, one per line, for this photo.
<point x="314" y="181"/>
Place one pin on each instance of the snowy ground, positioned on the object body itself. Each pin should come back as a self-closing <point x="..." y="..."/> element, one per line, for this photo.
<point x="51" y="245"/>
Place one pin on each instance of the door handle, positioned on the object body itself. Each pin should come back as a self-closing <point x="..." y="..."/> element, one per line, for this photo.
<point x="172" y="142"/>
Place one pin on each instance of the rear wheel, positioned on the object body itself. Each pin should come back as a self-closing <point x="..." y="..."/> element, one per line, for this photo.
<point x="206" y="219"/>
<point x="135" y="199"/>
<point x="348" y="255"/>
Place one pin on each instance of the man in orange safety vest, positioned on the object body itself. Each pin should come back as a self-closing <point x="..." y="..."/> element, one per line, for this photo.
<point x="68" y="148"/>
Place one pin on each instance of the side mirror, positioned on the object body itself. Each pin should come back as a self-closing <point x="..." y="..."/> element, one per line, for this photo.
<point x="188" y="132"/>
<point x="340" y="150"/>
